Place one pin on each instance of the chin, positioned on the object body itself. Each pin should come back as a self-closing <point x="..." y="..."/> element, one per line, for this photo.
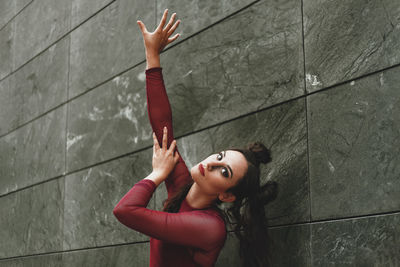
<point x="194" y="172"/>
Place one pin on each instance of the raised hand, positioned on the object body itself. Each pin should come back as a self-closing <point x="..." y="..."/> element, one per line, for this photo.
<point x="156" y="41"/>
<point x="164" y="160"/>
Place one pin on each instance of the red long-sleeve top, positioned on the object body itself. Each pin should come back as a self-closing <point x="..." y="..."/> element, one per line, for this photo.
<point x="191" y="237"/>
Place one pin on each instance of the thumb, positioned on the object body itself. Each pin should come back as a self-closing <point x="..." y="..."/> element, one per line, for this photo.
<point x="142" y="26"/>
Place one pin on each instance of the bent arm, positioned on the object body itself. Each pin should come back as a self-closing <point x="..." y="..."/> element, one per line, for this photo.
<point x="160" y="115"/>
<point x="193" y="228"/>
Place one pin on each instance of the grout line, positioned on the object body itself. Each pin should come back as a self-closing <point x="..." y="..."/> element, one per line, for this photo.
<point x="13" y="17"/>
<point x="72" y="250"/>
<point x="340" y="219"/>
<point x="66" y="132"/>
<point x="307" y="131"/>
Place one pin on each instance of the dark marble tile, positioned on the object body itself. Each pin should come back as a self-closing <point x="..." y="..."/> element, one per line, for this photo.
<point x="31" y="220"/>
<point x="11" y="104"/>
<point x="42" y="83"/>
<point x="249" y="61"/>
<point x="6" y="49"/>
<point x="197" y="15"/>
<point x="108" y="43"/>
<point x="92" y="194"/>
<point x="40" y="24"/>
<point x="83" y="9"/>
<point x="119" y="256"/>
<point x="290" y="246"/>
<point x="283" y="130"/>
<point x="39" y="154"/>
<point x="347" y="39"/>
<point x="53" y="260"/>
<point x="371" y="241"/>
<point x="354" y="147"/>
<point x="8" y="162"/>
<point x="20" y="4"/>
<point x="7" y="11"/>
<point x="109" y="121"/>
<point x="35" y="88"/>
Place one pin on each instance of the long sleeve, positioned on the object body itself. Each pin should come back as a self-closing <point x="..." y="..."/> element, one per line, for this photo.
<point x="160" y="115"/>
<point x="198" y="228"/>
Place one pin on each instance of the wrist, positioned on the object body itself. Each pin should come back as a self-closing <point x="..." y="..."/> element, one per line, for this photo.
<point x="156" y="177"/>
<point x="152" y="53"/>
<point x="152" y="60"/>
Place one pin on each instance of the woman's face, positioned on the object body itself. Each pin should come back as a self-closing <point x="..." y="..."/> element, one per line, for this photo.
<point x="222" y="171"/>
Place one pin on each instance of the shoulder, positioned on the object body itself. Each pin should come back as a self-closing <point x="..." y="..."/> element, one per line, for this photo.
<point x="217" y="223"/>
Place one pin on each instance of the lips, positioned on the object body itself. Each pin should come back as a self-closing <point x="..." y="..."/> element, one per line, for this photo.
<point x="201" y="169"/>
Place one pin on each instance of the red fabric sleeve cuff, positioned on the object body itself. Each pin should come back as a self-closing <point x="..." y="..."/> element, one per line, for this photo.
<point x="155" y="69"/>
<point x="147" y="183"/>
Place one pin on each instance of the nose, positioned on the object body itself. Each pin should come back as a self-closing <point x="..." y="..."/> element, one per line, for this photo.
<point x="208" y="166"/>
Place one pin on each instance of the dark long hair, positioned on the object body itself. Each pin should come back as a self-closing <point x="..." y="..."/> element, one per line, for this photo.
<point x="247" y="211"/>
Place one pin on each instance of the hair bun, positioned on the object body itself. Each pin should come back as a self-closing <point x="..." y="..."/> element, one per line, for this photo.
<point x="260" y="152"/>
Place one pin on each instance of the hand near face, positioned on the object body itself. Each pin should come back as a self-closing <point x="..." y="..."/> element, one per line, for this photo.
<point x="155" y="42"/>
<point x="164" y="160"/>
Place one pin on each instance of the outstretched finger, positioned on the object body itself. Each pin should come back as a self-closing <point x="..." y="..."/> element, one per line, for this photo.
<point x="156" y="145"/>
<point x="171" y="31"/>
<point x="142" y="26"/>
<point x="172" y="146"/>
<point x="165" y="139"/>
<point x="170" y="40"/>
<point x="163" y="19"/>
<point x="176" y="157"/>
<point x="169" y="25"/>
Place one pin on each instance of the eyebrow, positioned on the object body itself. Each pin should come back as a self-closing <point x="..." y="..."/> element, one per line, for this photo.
<point x="229" y="167"/>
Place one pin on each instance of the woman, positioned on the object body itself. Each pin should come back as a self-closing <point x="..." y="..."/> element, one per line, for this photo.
<point x="191" y="229"/>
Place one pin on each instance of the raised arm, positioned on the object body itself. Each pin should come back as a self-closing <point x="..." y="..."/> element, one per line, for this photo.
<point x="158" y="106"/>
<point x="199" y="228"/>
<point x="160" y="115"/>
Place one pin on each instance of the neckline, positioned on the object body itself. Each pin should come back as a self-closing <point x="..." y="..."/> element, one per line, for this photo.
<point x="190" y="207"/>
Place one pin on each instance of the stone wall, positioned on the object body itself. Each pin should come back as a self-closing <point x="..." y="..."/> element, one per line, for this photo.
<point x="317" y="81"/>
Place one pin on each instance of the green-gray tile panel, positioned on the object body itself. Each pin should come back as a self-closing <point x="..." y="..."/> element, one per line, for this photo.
<point x="283" y="130"/>
<point x="371" y="241"/>
<point x="11" y="103"/>
<point x="92" y="194"/>
<point x="197" y="15"/>
<point x="31" y="220"/>
<point x="8" y="162"/>
<point x="137" y="255"/>
<point x="38" y="86"/>
<point x="6" y="49"/>
<point x="83" y="9"/>
<point x="109" y="121"/>
<point x="346" y="39"/>
<point x="8" y="9"/>
<point x="354" y="147"/>
<point x="39" y="25"/>
<point x="290" y="246"/>
<point x="249" y="61"/>
<point x="38" y="152"/>
<point x="108" y="43"/>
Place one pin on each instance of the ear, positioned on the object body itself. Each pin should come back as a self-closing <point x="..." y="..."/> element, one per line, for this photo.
<point x="226" y="197"/>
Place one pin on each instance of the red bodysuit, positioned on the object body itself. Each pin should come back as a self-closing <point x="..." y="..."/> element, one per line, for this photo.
<point x="191" y="237"/>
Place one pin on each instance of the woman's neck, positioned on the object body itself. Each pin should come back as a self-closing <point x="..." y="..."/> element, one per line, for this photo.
<point x="197" y="199"/>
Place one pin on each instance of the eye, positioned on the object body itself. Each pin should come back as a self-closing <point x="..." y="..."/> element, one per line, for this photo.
<point x="224" y="170"/>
